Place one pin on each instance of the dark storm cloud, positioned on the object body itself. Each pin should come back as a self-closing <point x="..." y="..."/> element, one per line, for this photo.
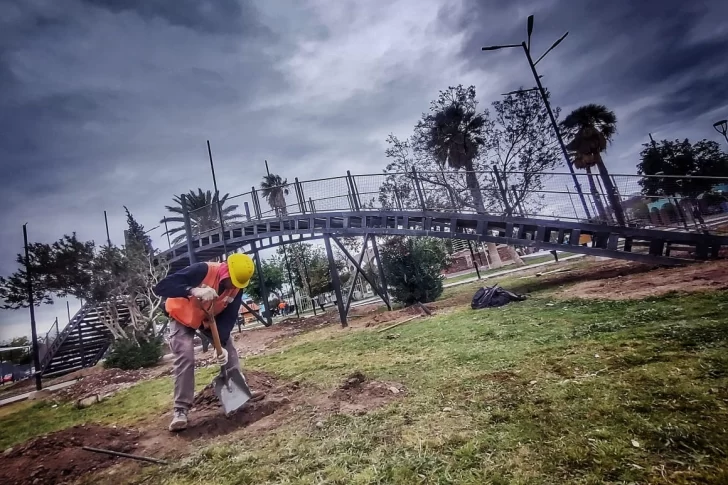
<point x="107" y="103"/>
<point x="209" y="16"/>
<point x="660" y="65"/>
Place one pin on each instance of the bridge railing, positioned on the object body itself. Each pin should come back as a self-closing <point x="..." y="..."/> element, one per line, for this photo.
<point x="679" y="202"/>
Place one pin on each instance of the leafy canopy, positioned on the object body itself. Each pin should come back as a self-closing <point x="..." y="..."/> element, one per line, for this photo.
<point x="684" y="160"/>
<point x="413" y="268"/>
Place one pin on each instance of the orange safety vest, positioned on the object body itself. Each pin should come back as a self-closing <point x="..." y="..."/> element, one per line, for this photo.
<point x="189" y="312"/>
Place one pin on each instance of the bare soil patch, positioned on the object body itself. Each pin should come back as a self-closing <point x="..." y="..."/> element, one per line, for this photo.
<point x="618" y="280"/>
<point x="283" y="402"/>
<point x="58" y="458"/>
<point x="102" y="383"/>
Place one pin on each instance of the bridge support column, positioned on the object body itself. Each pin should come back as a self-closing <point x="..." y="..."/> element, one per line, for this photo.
<point x="360" y="271"/>
<point x="335" y="281"/>
<point x="380" y="268"/>
<point x="263" y="289"/>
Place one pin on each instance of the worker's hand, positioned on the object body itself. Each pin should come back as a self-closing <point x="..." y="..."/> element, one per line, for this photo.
<point x="222" y="359"/>
<point x="204" y="294"/>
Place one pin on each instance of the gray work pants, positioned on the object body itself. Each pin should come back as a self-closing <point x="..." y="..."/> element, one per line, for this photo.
<point x="183" y="348"/>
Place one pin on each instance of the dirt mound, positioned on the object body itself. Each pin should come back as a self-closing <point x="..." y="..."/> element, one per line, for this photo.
<point x="297" y="325"/>
<point x="58" y="458"/>
<point x="357" y="394"/>
<point x="207" y="418"/>
<point x="620" y="280"/>
<point x="105" y="382"/>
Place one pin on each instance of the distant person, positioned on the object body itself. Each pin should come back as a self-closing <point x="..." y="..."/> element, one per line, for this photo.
<point x="282" y="308"/>
<point x="322" y="302"/>
<point x="555" y="254"/>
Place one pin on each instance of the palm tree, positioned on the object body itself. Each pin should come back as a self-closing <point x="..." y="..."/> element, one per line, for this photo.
<point x="591" y="128"/>
<point x="454" y="132"/>
<point x="202" y="207"/>
<point x="275" y="188"/>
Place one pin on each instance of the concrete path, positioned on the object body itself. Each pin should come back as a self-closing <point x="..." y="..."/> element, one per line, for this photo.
<point x="23" y="397"/>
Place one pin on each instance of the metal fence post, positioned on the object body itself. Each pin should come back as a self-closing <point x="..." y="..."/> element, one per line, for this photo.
<point x="352" y="192"/>
<point x="419" y="190"/>
<point x="299" y="196"/>
<point x="247" y="210"/>
<point x="256" y="204"/>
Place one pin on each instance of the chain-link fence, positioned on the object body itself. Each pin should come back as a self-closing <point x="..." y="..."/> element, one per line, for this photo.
<point x="676" y="202"/>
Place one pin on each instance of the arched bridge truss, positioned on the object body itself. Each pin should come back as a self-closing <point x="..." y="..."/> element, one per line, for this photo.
<point x="662" y="247"/>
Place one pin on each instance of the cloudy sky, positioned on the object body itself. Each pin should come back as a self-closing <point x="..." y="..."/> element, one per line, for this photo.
<point x="105" y="103"/>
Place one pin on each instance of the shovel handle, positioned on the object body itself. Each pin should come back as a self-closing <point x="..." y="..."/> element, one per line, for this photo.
<point x="213" y="329"/>
<point x="215" y="336"/>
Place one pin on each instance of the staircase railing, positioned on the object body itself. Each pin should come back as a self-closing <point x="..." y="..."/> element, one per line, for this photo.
<point x="50" y="336"/>
<point x="53" y="346"/>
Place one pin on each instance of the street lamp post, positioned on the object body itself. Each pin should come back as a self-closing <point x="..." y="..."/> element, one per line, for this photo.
<point x="527" y="50"/>
<point x="722" y="128"/>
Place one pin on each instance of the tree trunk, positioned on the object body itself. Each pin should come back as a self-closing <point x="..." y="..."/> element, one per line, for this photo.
<point x="596" y="197"/>
<point x="612" y="197"/>
<point x="471" y="179"/>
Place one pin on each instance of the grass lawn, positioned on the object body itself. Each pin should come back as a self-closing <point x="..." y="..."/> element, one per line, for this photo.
<point x="542" y="391"/>
<point x="486" y="272"/>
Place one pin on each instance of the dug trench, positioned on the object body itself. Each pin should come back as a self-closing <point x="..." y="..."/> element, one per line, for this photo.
<point x="59" y="458"/>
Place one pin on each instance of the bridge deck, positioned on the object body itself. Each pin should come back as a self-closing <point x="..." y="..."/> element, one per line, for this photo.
<point x="631" y="243"/>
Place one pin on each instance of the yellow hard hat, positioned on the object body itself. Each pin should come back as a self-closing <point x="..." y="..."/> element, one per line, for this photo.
<point x="241" y="269"/>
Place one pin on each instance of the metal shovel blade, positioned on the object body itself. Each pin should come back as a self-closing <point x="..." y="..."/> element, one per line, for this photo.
<point x="232" y="390"/>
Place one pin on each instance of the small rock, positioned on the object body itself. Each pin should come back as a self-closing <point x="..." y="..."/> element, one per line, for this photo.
<point x="533" y="382"/>
<point x="8" y="451"/>
<point x="87" y="401"/>
<point x="596" y="356"/>
<point x="319" y="424"/>
<point x="394" y="390"/>
<point x="447" y="410"/>
<point x="635" y="443"/>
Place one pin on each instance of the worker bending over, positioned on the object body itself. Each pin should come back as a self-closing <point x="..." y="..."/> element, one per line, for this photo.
<point x="191" y="293"/>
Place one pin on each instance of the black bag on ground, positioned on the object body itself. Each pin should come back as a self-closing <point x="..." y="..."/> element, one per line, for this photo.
<point x="495" y="296"/>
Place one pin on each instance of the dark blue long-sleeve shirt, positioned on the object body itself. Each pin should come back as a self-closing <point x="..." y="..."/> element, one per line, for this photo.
<point x="179" y="284"/>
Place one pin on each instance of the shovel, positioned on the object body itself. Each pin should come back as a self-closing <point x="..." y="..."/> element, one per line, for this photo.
<point x="230" y="386"/>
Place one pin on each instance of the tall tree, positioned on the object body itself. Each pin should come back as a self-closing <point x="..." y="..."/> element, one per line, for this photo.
<point x="274" y="276"/>
<point x="59" y="269"/>
<point x="453" y="132"/>
<point x="202" y="206"/>
<point x="684" y="166"/>
<point x="135" y="237"/>
<point x="274" y="189"/>
<point x="523" y="149"/>
<point x="591" y="128"/>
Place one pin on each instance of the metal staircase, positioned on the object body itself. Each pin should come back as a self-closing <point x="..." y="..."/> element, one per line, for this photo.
<point x="82" y="343"/>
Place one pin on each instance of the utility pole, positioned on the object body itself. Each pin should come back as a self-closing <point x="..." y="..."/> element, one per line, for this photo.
<point x="217" y="200"/>
<point x="31" y="302"/>
<point x="527" y="49"/>
<point x="108" y="238"/>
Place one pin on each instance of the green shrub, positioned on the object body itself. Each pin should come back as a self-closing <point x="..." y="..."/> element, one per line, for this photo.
<point x="413" y="268"/>
<point x="127" y="354"/>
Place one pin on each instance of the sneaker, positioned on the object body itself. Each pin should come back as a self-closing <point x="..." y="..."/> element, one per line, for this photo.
<point x="179" y="421"/>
